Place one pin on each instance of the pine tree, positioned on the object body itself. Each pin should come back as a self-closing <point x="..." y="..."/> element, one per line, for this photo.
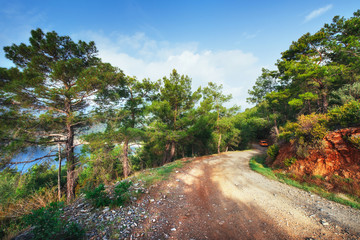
<point x="58" y="80"/>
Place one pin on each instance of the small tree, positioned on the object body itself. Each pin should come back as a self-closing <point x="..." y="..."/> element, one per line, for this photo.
<point x="171" y="112"/>
<point x="213" y="100"/>
<point x="123" y="111"/>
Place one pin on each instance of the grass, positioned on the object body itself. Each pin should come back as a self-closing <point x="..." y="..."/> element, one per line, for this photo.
<point x="155" y="175"/>
<point x="257" y="164"/>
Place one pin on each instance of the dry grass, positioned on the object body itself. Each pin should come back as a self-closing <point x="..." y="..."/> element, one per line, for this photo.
<point x="25" y="206"/>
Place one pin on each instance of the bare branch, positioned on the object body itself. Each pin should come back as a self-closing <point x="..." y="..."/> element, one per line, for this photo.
<point x="30" y="161"/>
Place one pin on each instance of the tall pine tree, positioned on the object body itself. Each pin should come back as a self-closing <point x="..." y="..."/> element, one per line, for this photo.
<point x="57" y="82"/>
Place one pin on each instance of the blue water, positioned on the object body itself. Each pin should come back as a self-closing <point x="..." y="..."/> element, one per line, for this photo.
<point x="34" y="153"/>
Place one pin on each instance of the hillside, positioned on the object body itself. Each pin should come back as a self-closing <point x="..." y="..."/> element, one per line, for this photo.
<point x="338" y="156"/>
<point x="217" y="197"/>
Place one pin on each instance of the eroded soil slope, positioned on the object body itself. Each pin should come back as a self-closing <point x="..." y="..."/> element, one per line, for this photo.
<point x="339" y="156"/>
<point x="219" y="197"/>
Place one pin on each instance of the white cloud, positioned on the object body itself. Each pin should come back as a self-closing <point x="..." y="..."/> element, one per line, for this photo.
<point x="139" y="56"/>
<point x="316" y="13"/>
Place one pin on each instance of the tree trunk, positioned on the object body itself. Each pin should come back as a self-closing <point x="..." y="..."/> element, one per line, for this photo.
<point x="126" y="168"/>
<point x="276" y="128"/>
<point x="325" y="102"/>
<point x="165" y="157"/>
<point x="59" y="173"/>
<point x="172" y="151"/>
<point x="69" y="153"/>
<point x="71" y="178"/>
<point x="219" y="143"/>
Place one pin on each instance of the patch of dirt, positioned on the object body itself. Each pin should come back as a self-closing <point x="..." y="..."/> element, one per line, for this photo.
<point x="219" y="197"/>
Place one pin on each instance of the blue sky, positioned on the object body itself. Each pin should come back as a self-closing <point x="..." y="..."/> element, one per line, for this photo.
<point x="227" y="42"/>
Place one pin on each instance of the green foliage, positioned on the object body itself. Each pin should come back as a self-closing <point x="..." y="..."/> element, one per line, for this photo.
<point x="296" y="103"/>
<point x="307" y="133"/>
<point x="273" y="151"/>
<point x="252" y="125"/>
<point x="121" y="194"/>
<point x="345" y="94"/>
<point x="257" y="164"/>
<point x="345" y="116"/>
<point x="101" y="160"/>
<point x="290" y="161"/>
<point x="47" y="224"/>
<point x="266" y="83"/>
<point x="8" y="184"/>
<point x="97" y="196"/>
<point x="38" y="176"/>
<point x="355" y="140"/>
<point x="312" y="128"/>
<point x="57" y="80"/>
<point x="15" y="185"/>
<point x="288" y="131"/>
<point x="172" y="115"/>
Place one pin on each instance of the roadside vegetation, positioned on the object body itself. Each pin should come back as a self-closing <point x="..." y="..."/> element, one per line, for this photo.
<point x="92" y="125"/>
<point x="314" y="184"/>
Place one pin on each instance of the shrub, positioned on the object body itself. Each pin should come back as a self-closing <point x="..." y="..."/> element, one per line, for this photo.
<point x="288" y="131"/>
<point x="307" y="133"/>
<point x="47" y="224"/>
<point x="121" y="194"/>
<point x="8" y="184"/>
<point x="289" y="161"/>
<point x="273" y="151"/>
<point x="347" y="115"/>
<point x="312" y="127"/>
<point x="100" y="198"/>
<point x="355" y="140"/>
<point x="97" y="196"/>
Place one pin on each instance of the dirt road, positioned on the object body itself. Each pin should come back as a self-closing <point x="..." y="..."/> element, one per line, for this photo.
<point x="219" y="197"/>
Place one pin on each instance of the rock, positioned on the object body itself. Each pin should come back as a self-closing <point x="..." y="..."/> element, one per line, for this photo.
<point x="221" y="222"/>
<point x="173" y="229"/>
<point x="324" y="222"/>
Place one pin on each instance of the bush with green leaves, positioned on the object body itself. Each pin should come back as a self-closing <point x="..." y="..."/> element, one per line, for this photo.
<point x="47" y="224"/>
<point x="121" y="193"/>
<point x="100" y="198"/>
<point x="288" y="131"/>
<point x="8" y="183"/>
<point x="347" y="115"/>
<point x="273" y="151"/>
<point x="290" y="161"/>
<point x="312" y="128"/>
<point x="354" y="140"/>
<point x="97" y="196"/>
